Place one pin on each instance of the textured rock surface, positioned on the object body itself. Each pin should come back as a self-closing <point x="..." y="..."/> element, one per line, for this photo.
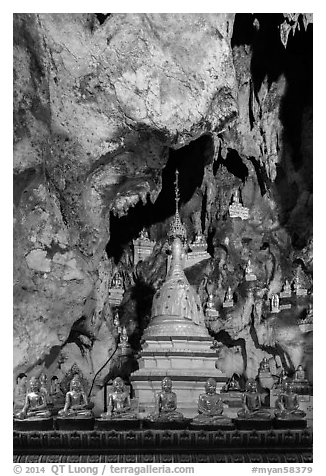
<point x="99" y="111"/>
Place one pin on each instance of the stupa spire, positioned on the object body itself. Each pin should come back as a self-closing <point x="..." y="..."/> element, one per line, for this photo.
<point x="177" y="229"/>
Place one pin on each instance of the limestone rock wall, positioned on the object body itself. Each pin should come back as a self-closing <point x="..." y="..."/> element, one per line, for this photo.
<point x="99" y="111"/>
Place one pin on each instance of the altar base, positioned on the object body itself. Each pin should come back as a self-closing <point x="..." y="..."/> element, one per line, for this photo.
<point x="74" y="424"/>
<point x="33" y="424"/>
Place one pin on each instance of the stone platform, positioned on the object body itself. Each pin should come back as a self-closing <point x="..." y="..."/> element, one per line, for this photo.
<point x="163" y="446"/>
<point x="189" y="361"/>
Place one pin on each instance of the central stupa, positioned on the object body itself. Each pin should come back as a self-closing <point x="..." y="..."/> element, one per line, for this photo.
<point x="176" y="342"/>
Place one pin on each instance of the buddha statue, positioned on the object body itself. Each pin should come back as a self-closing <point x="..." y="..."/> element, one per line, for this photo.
<point x="199" y="245"/>
<point x="286" y="291"/>
<point x="210" y="302"/>
<point x="299" y="282"/>
<point x="210" y="406"/>
<point x="117" y="281"/>
<point x="252" y="405"/>
<point x="210" y="311"/>
<point x="300" y="383"/>
<point x="116" y="290"/>
<point x="249" y="273"/>
<point x="124" y="337"/>
<point x="275" y="303"/>
<point x="35" y="407"/>
<point x="287" y="404"/>
<point x="264" y="365"/>
<point x="199" y="239"/>
<point x="20" y="391"/>
<point x="76" y="404"/>
<point x="264" y="374"/>
<point x="166" y="404"/>
<point x="119" y="406"/>
<point x="124" y="346"/>
<point x="283" y="376"/>
<point x="144" y="235"/>
<point x="232" y="385"/>
<point x="116" y="321"/>
<point x="300" y="374"/>
<point x="228" y="301"/>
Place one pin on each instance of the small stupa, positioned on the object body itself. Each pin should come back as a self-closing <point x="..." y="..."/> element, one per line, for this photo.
<point x="176" y="342"/>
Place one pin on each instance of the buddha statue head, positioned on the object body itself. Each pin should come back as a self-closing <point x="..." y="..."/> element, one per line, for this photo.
<point x="210" y="386"/>
<point x="167" y="385"/>
<point x="288" y="387"/>
<point x="34" y="384"/>
<point x="118" y="385"/>
<point x="75" y="383"/>
<point x="251" y="385"/>
<point x="264" y="365"/>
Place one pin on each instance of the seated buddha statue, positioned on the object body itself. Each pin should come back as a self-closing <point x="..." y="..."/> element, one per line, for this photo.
<point x="210" y="406"/>
<point x="301" y="384"/>
<point x="249" y="273"/>
<point x="251" y="404"/>
<point x="228" y="300"/>
<point x="166" y="404"/>
<point x="232" y="385"/>
<point x="117" y="281"/>
<point x="35" y="406"/>
<point x="300" y="374"/>
<point x="143" y="235"/>
<point x="287" y="404"/>
<point x="264" y="374"/>
<point x="282" y="378"/>
<point x="119" y="403"/>
<point x="76" y="404"/>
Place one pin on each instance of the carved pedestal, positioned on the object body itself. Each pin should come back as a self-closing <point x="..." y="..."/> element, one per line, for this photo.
<point x="33" y="425"/>
<point x="251" y="424"/>
<point x="118" y="425"/>
<point x="290" y="424"/>
<point x="166" y="425"/>
<point x="73" y="424"/>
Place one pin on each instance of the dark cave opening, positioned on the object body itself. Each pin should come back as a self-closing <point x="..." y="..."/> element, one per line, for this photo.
<point x="235" y="165"/>
<point x="190" y="161"/>
<point x="102" y="17"/>
<point x="243" y="29"/>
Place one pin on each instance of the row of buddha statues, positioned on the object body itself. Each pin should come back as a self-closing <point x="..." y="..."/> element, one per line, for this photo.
<point x="297" y="287"/>
<point x="275" y="307"/>
<point x="52" y="394"/>
<point x="210" y="403"/>
<point x="37" y="404"/>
